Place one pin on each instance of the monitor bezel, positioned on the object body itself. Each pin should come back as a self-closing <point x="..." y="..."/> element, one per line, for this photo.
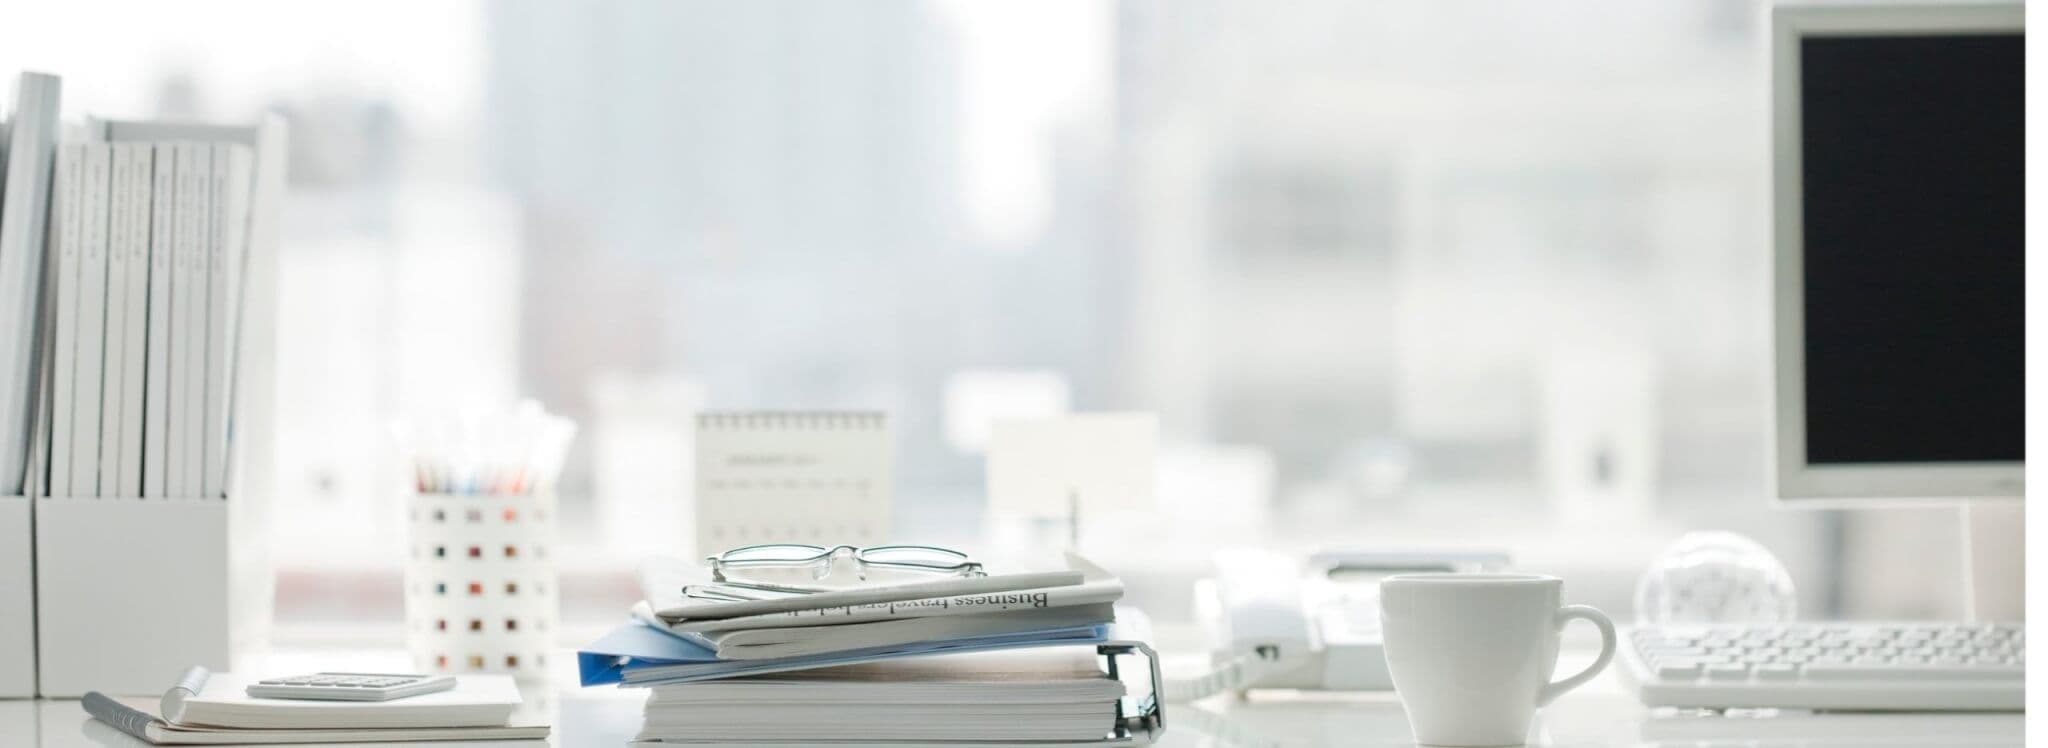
<point x="1798" y="481"/>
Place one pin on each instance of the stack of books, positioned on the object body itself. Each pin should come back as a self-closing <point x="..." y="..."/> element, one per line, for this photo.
<point x="124" y="249"/>
<point x="121" y="257"/>
<point x="149" y="240"/>
<point x="206" y="708"/>
<point x="1016" y="659"/>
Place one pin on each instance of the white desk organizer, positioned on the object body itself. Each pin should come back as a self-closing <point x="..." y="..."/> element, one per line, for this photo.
<point x="131" y="592"/>
<point x="17" y="602"/>
<point x="31" y="140"/>
<point x="480" y="583"/>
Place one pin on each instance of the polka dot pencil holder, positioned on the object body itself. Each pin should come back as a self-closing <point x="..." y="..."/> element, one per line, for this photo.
<point x="480" y="591"/>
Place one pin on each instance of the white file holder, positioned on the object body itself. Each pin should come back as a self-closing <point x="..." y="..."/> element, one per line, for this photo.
<point x="18" y="667"/>
<point x="17" y="600"/>
<point x="131" y="592"/>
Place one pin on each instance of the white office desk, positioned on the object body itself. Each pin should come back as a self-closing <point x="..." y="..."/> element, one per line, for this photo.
<point x="1599" y="714"/>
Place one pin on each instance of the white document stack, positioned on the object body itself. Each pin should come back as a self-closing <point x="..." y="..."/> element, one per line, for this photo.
<point x="1024" y="659"/>
<point x="1051" y="694"/>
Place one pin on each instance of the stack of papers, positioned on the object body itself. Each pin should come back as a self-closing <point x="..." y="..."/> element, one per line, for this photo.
<point x="1044" y="694"/>
<point x="1004" y="659"/>
<point x="214" y="709"/>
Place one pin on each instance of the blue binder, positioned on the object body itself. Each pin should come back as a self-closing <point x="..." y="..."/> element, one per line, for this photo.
<point x="636" y="654"/>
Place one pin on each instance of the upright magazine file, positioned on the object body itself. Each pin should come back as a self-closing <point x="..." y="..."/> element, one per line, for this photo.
<point x="131" y="592"/>
<point x="29" y="147"/>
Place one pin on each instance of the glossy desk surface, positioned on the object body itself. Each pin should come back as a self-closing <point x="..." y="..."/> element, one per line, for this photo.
<point x="1600" y="714"/>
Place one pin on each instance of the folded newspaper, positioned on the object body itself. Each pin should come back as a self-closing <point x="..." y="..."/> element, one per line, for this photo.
<point x="797" y="641"/>
<point x="1082" y="583"/>
<point x="663" y="580"/>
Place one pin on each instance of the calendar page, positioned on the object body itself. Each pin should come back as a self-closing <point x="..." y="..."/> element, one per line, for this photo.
<point x="822" y="478"/>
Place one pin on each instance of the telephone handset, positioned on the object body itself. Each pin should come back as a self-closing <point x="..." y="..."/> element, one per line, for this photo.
<point x="1274" y="622"/>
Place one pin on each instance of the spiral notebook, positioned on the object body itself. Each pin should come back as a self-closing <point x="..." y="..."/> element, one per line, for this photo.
<point x="206" y="708"/>
<point x="817" y="477"/>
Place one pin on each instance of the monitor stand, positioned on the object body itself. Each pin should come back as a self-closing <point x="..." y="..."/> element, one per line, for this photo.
<point x="1995" y="560"/>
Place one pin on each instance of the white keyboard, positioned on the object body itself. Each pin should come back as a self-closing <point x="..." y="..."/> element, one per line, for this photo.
<point x="1859" y="666"/>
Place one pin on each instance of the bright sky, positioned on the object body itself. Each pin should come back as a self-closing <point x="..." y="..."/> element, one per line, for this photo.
<point x="1028" y="67"/>
<point x="427" y="56"/>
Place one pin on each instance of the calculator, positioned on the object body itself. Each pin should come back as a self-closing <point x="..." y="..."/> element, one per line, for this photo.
<point x="350" y="686"/>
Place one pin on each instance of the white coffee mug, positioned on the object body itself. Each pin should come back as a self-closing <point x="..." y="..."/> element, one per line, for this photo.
<point x="1472" y="654"/>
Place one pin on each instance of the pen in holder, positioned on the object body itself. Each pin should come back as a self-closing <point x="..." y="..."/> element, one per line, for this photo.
<point x="480" y="584"/>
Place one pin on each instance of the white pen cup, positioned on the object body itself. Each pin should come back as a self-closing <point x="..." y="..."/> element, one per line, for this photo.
<point x="479" y="583"/>
<point x="1472" y="655"/>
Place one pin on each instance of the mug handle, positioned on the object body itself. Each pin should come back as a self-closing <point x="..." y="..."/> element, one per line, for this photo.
<point x="1598" y="619"/>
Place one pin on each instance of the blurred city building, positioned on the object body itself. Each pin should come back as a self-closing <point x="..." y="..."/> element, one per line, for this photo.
<point x="1471" y="272"/>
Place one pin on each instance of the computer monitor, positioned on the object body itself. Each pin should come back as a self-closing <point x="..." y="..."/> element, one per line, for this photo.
<point x="1899" y="144"/>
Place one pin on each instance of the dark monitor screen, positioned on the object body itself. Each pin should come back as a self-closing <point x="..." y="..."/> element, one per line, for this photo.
<point x="1913" y="188"/>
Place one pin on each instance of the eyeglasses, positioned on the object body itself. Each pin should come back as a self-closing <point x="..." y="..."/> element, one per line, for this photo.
<point x="820" y="560"/>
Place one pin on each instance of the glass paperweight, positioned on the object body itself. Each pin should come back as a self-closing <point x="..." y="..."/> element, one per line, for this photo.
<point x="1715" y="577"/>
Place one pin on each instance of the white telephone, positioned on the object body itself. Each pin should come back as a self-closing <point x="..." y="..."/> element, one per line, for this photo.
<point x="1275" y="622"/>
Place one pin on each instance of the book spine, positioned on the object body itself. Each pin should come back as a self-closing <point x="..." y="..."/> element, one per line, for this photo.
<point x="134" y="360"/>
<point x="65" y="236"/>
<point x="186" y="333"/>
<point x="194" y="388"/>
<point x="156" y="428"/>
<point x="114" y="361"/>
<point x="230" y="187"/>
<point x="92" y="323"/>
<point x="24" y="220"/>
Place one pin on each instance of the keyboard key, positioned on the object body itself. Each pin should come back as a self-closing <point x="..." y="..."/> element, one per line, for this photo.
<point x="1680" y="661"/>
<point x="1680" y="651"/>
<point x="1727" y="672"/>
<point x="1678" y="670"/>
<point x="1777" y="672"/>
<point x="1846" y="671"/>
